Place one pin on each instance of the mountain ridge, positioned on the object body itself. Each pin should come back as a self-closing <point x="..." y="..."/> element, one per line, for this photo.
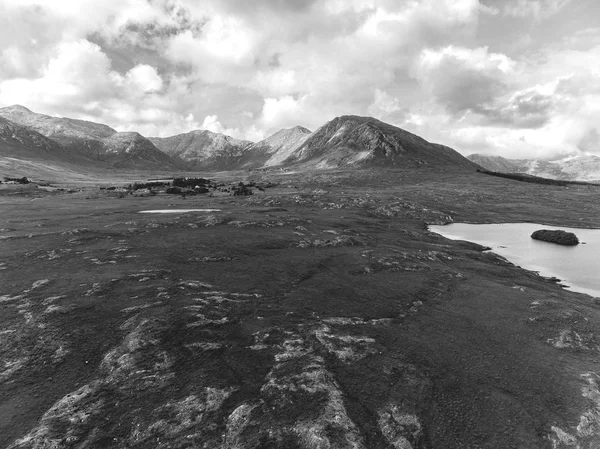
<point x="84" y="141"/>
<point x="575" y="168"/>
<point x="277" y="147"/>
<point x="201" y="148"/>
<point x="357" y="141"/>
<point x="346" y="141"/>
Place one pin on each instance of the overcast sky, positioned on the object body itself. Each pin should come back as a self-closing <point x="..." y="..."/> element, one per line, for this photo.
<point x="518" y="78"/>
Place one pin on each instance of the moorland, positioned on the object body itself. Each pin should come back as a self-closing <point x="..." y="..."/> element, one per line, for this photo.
<point x="293" y="297"/>
<point x="319" y="312"/>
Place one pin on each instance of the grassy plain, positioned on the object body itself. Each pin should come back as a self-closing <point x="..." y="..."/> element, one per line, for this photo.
<point x="321" y="311"/>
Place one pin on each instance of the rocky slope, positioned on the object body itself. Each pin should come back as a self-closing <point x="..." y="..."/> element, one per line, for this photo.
<point x="21" y="142"/>
<point x="61" y="129"/>
<point x="131" y="150"/>
<point x="278" y="147"/>
<point x="576" y="168"/>
<point x="84" y="142"/>
<point x="203" y="149"/>
<point x="351" y="141"/>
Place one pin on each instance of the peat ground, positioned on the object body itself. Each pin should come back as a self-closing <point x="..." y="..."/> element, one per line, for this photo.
<point x="319" y="313"/>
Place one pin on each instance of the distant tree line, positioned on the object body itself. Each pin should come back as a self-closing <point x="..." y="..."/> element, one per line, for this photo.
<point x="22" y="180"/>
<point x="534" y="179"/>
<point x="190" y="182"/>
<point x="148" y="185"/>
<point x="559" y="237"/>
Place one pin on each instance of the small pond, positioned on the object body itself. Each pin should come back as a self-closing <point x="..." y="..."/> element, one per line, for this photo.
<point x="577" y="266"/>
<point x="177" y="211"/>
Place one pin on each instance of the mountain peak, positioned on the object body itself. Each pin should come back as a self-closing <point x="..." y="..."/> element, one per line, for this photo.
<point x="351" y="140"/>
<point x="301" y="129"/>
<point x="17" y="108"/>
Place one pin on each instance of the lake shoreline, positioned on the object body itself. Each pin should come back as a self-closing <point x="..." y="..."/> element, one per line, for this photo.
<point x="556" y="263"/>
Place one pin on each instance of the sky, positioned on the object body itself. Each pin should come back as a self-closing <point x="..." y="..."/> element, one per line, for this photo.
<point x="516" y="78"/>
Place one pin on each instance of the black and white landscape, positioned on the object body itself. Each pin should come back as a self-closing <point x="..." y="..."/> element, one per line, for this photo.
<point x="230" y="224"/>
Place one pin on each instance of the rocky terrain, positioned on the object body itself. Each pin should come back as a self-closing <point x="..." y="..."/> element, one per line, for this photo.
<point x="85" y="143"/>
<point x="319" y="313"/>
<point x="131" y="150"/>
<point x="203" y="149"/>
<point x="275" y="149"/>
<point x="347" y="141"/>
<point x="308" y="307"/>
<point x="58" y="128"/>
<point x="19" y="141"/>
<point x="351" y="141"/>
<point x="576" y="168"/>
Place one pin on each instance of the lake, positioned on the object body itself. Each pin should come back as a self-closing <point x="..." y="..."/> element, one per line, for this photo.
<point x="577" y="266"/>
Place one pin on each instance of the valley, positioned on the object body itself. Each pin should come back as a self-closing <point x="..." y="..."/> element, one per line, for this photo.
<point x="320" y="312"/>
<point x="202" y="291"/>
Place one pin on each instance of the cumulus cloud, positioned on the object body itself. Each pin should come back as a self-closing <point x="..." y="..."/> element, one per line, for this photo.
<point x="144" y="78"/>
<point x="212" y="123"/>
<point x="527" y="109"/>
<point x="249" y="68"/>
<point x="464" y="79"/>
<point x="536" y="9"/>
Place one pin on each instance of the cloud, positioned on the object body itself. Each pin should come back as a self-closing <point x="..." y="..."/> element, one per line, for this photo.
<point x="77" y="72"/>
<point x="535" y="9"/>
<point x="144" y="78"/>
<point x="440" y="68"/>
<point x="211" y="123"/>
<point x="464" y="79"/>
<point x="525" y="109"/>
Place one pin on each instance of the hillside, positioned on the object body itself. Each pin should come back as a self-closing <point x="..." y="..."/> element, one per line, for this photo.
<point x="203" y="149"/>
<point x="278" y="147"/>
<point x="21" y="145"/>
<point x="132" y="150"/>
<point x="82" y="142"/>
<point x="351" y="141"/>
<point x="347" y="141"/>
<point x="61" y="129"/>
<point x="21" y="142"/>
<point x="575" y="168"/>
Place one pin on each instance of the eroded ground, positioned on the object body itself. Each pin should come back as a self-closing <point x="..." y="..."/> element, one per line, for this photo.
<point x="318" y="314"/>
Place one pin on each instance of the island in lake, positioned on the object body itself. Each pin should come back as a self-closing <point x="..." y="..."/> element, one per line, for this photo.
<point x="559" y="237"/>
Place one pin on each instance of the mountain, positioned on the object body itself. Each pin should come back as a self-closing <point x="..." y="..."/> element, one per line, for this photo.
<point x="132" y="150"/>
<point x="87" y="142"/>
<point x="26" y="144"/>
<point x="22" y="142"/>
<point x="276" y="148"/>
<point x="499" y="163"/>
<point x="61" y="129"/>
<point x="203" y="149"/>
<point x="574" y="168"/>
<point x="351" y="141"/>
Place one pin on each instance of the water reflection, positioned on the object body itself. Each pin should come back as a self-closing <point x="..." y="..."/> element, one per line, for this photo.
<point x="577" y="266"/>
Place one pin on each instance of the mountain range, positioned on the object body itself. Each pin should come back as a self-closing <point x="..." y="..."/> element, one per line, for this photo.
<point x="80" y="142"/>
<point x="346" y="141"/>
<point x="573" y="168"/>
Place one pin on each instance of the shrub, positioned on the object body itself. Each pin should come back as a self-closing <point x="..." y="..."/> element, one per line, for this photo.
<point x="190" y="182"/>
<point x="558" y="237"/>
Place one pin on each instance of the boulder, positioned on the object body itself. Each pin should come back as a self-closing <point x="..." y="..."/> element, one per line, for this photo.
<point x="559" y="237"/>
